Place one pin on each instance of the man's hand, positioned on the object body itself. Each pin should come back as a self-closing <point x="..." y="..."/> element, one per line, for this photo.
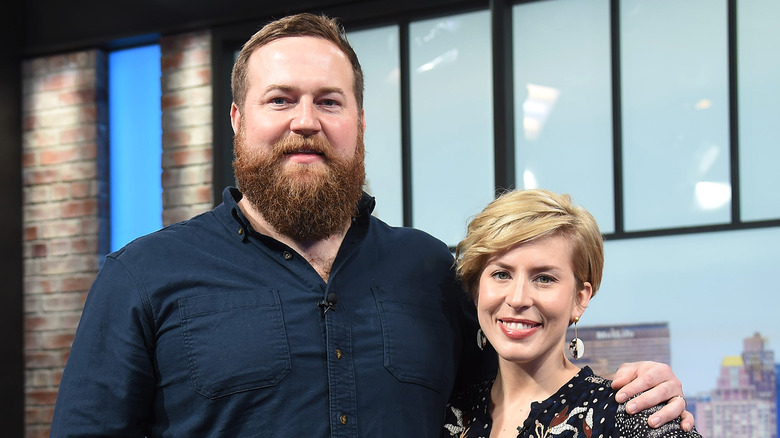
<point x="661" y="386"/>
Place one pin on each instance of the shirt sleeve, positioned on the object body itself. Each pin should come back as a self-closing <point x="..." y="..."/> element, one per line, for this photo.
<point x="108" y="384"/>
<point x="636" y="426"/>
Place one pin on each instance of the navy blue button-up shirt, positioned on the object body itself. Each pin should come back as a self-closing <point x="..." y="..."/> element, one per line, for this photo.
<point x="207" y="328"/>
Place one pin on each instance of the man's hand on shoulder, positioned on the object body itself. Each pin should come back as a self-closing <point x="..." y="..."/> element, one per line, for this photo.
<point x="660" y="386"/>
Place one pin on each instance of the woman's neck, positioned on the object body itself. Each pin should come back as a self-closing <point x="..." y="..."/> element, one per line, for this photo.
<point x="519" y="385"/>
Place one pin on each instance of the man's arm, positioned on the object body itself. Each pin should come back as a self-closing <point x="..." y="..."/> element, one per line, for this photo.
<point x="660" y="386"/>
<point x="107" y="387"/>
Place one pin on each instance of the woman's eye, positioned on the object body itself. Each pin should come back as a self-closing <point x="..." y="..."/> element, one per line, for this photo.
<point x="501" y="275"/>
<point x="544" y="279"/>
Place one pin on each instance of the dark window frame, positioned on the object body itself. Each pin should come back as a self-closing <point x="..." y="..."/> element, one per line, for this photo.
<point x="228" y="39"/>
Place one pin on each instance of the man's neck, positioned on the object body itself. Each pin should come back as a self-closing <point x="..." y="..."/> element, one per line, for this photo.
<point x="319" y="253"/>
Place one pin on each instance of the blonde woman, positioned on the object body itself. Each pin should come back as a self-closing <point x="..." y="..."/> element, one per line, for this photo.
<point x="532" y="262"/>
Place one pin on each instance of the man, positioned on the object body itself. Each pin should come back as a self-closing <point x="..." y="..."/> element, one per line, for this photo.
<point x="288" y="310"/>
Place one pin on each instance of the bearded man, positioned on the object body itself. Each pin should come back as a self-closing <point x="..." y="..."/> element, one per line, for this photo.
<point x="287" y="310"/>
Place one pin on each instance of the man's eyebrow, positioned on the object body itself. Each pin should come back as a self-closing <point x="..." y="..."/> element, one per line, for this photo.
<point x="290" y="88"/>
<point x="279" y="87"/>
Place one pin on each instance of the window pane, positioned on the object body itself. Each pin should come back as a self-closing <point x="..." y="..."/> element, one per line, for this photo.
<point x="135" y="143"/>
<point x="563" y="106"/>
<point x="696" y="283"/>
<point x="674" y="78"/>
<point x="759" y="108"/>
<point x="378" y="52"/>
<point x="452" y="122"/>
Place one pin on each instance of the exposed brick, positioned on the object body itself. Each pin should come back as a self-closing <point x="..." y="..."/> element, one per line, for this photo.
<point x="76" y="97"/>
<point x="59" y="155"/>
<point x="39" y="250"/>
<point x="57" y="340"/>
<point x="77" y="283"/>
<point x="79" y="134"/>
<point x="30" y="232"/>
<point x="37" y="431"/>
<point x="42" y="396"/>
<point x="43" y="359"/>
<point x="183" y="176"/>
<point x="29" y="159"/>
<point x="40" y="138"/>
<point x="187" y="78"/>
<point x="37" y="285"/>
<point x="184" y="117"/>
<point x="186" y="157"/>
<point x="67" y="265"/>
<point x="80" y="207"/>
<point x="49" y="322"/>
<point x="63" y="302"/>
<point x="33" y="341"/>
<point x="83" y="189"/>
<point x="84" y="245"/>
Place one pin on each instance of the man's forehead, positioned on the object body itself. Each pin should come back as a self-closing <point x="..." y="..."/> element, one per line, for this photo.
<point x="299" y="44"/>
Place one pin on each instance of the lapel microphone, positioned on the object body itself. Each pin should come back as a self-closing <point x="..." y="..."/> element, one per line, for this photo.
<point x="328" y="303"/>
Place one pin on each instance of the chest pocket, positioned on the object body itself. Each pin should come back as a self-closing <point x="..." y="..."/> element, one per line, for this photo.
<point x="418" y="340"/>
<point x="234" y="341"/>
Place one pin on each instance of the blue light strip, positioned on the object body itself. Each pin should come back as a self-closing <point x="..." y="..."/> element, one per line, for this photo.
<point x="135" y="143"/>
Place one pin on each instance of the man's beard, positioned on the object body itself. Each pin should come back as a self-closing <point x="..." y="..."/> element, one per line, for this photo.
<point x="306" y="202"/>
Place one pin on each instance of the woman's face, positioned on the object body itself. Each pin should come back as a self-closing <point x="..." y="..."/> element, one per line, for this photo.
<point x="526" y="299"/>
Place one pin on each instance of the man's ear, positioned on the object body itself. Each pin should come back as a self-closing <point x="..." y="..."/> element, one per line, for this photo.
<point x="235" y="117"/>
<point x="363" y="119"/>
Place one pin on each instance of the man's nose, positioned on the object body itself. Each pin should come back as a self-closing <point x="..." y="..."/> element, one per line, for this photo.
<point x="305" y="120"/>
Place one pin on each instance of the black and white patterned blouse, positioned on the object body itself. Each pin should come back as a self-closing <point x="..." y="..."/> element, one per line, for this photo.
<point x="583" y="407"/>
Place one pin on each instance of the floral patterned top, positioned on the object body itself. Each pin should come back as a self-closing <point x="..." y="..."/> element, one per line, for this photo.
<point x="583" y="407"/>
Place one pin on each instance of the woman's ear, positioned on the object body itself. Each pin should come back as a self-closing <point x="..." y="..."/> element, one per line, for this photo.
<point x="581" y="299"/>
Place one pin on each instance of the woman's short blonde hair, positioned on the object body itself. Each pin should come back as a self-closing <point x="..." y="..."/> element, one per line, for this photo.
<point x="521" y="216"/>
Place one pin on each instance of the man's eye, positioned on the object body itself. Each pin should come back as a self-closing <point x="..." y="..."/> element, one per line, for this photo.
<point x="329" y="102"/>
<point x="278" y="101"/>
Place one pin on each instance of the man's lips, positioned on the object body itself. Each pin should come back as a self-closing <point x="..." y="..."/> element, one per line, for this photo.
<point x="304" y="156"/>
<point x="303" y="152"/>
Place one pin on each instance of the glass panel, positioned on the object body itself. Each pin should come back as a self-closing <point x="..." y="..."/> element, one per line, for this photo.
<point x="709" y="287"/>
<point x="563" y="102"/>
<point x="759" y="108"/>
<point x="378" y="52"/>
<point x="675" y="108"/>
<point x="452" y="122"/>
<point x="135" y="143"/>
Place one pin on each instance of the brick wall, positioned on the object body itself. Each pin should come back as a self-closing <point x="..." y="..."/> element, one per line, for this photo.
<point x="64" y="212"/>
<point x="187" y="125"/>
<point x="65" y="172"/>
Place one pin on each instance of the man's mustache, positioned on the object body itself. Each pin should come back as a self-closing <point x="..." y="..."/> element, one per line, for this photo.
<point x="294" y="143"/>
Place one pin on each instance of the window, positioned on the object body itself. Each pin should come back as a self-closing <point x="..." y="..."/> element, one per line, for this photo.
<point x="135" y="143"/>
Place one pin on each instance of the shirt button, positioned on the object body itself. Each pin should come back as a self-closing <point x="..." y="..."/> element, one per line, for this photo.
<point x="338" y="354"/>
<point x="287" y="255"/>
<point x="240" y="231"/>
<point x="343" y="419"/>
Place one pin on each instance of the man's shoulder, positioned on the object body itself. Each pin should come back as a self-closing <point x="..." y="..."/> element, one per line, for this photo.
<point x="178" y="236"/>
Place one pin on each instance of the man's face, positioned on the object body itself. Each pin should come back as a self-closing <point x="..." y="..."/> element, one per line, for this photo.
<point x="303" y="86"/>
<point x="299" y="138"/>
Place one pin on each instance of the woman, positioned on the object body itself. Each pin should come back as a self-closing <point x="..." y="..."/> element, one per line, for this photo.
<point x="532" y="261"/>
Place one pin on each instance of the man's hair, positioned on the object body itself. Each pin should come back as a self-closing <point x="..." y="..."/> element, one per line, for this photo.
<point x="521" y="216"/>
<point x="305" y="24"/>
